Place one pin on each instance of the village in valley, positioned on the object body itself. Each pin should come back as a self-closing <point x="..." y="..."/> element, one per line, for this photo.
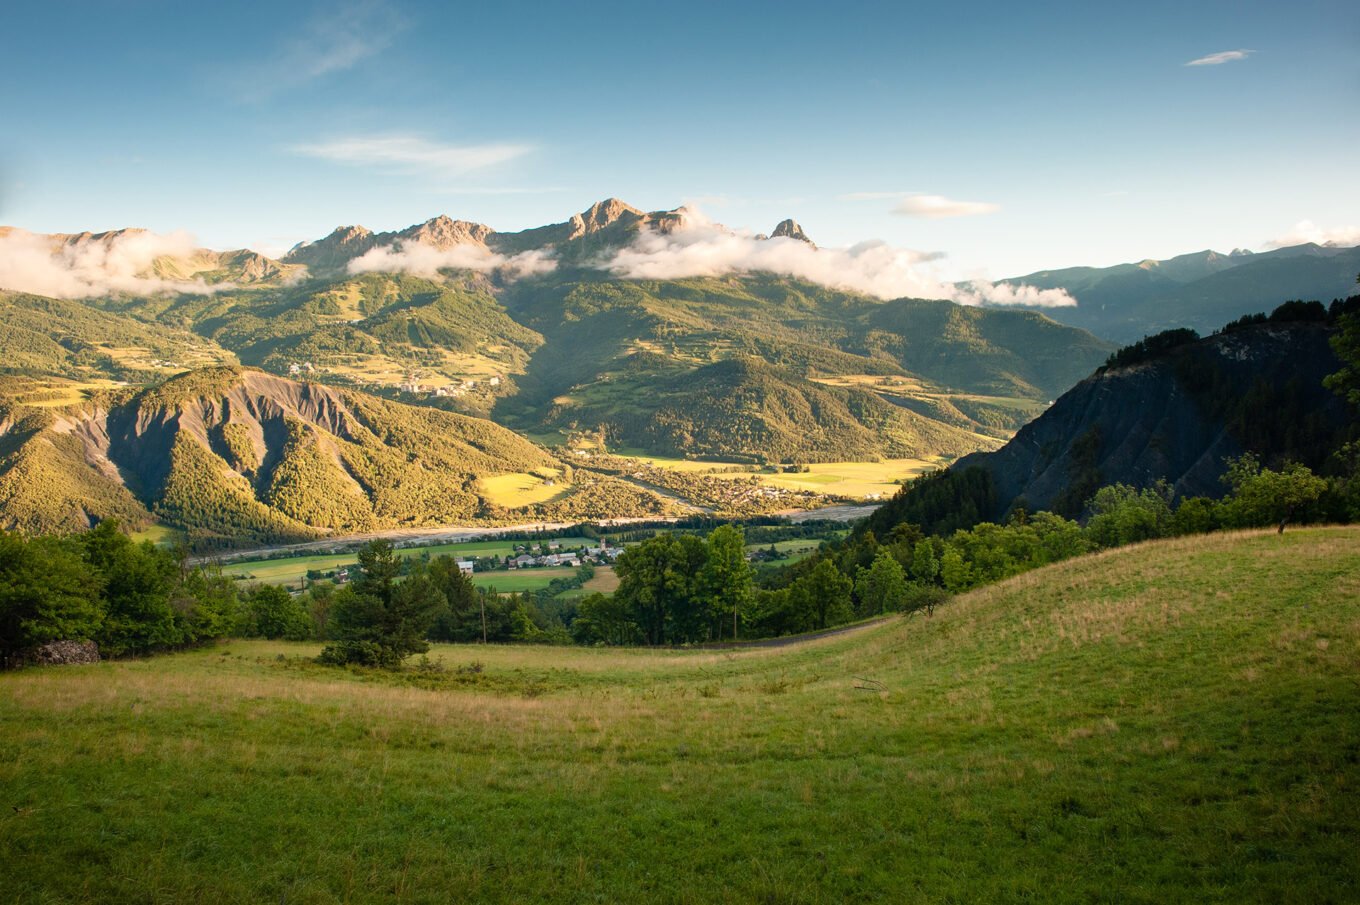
<point x="547" y="554"/>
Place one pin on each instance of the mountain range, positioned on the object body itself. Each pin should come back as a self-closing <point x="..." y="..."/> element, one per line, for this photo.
<point x="379" y="379"/>
<point x="1200" y="291"/>
<point x="527" y="329"/>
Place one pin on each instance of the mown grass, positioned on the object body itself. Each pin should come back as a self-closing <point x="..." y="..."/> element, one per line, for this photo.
<point x="1176" y="721"/>
<point x="521" y="579"/>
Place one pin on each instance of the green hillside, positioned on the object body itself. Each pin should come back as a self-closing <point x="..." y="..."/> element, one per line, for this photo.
<point x="1173" y="721"/>
<point x="236" y="457"/>
<point x="56" y="337"/>
<point x="575" y="349"/>
<point x="639" y="361"/>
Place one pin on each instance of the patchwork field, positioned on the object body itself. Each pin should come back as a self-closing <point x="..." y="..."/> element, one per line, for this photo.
<point x="291" y="570"/>
<point x="1174" y="721"/>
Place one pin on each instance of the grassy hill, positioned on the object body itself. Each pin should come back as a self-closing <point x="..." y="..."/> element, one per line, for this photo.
<point x="1167" y="722"/>
<point x="69" y="339"/>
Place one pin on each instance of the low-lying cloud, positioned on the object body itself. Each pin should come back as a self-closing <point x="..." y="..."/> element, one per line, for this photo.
<point x="118" y="263"/>
<point x="424" y="260"/>
<point x="1306" y="231"/>
<point x="702" y="248"/>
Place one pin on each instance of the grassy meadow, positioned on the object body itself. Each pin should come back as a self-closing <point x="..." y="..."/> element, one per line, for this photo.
<point x="1174" y="721"/>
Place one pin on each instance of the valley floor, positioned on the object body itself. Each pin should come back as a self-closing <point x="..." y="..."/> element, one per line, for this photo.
<point x="1174" y="721"/>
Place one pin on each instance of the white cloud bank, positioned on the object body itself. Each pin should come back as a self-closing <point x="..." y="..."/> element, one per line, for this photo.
<point x="1223" y="56"/>
<point x="119" y="263"/>
<point x="701" y="248"/>
<point x="1307" y="231"/>
<point x="426" y="261"/>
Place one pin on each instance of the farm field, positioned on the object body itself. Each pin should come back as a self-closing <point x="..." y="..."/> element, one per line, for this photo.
<point x="605" y="581"/>
<point x="794" y="549"/>
<point x="1172" y="721"/>
<point x="291" y="570"/>
<point x="522" y="489"/>
<point x="515" y="580"/>
<point x="856" y="480"/>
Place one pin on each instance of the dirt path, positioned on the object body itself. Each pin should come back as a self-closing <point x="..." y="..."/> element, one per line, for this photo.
<point x="796" y="639"/>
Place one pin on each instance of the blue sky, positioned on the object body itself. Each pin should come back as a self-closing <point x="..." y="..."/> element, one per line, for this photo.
<point x="1052" y="135"/>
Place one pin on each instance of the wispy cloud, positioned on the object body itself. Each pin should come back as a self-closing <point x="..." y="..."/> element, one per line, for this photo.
<point x="936" y="207"/>
<point x="1306" y="231"/>
<point x="411" y="154"/>
<point x="1223" y="56"/>
<point x="704" y="248"/>
<point x="337" y="39"/>
<point x="920" y="204"/>
<point x="872" y="196"/>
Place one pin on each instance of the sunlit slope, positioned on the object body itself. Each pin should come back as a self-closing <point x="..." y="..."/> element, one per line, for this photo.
<point x="236" y="456"/>
<point x="1169" y="722"/>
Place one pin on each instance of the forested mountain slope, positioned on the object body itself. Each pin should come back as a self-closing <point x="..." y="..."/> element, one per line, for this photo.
<point x="235" y="456"/>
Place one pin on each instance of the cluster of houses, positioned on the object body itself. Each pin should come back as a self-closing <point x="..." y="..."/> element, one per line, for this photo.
<point x="549" y="555"/>
<point x="451" y="391"/>
<point x="531" y="556"/>
<point x="298" y="368"/>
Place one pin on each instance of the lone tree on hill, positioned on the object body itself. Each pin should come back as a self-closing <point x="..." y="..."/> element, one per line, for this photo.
<point x="1264" y="497"/>
<point x="378" y="620"/>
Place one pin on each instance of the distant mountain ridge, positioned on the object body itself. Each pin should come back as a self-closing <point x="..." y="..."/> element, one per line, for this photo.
<point x="1201" y="291"/>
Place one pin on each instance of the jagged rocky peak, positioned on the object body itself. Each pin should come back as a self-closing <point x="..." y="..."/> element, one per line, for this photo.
<point x="444" y="232"/>
<point x="348" y="234"/>
<point x="343" y="242"/>
<point x="603" y="214"/>
<point x="252" y="267"/>
<point x="789" y="229"/>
